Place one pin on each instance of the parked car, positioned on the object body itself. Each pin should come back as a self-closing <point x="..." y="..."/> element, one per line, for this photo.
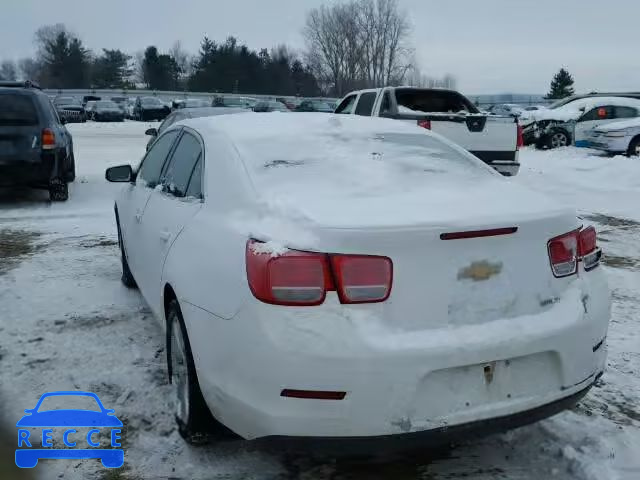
<point x="506" y="109"/>
<point x="313" y="105"/>
<point x="494" y="140"/>
<point x="270" y="106"/>
<point x="106" y="111"/>
<point x="150" y="108"/>
<point x="191" y="103"/>
<point x="332" y="276"/>
<point x="617" y="138"/>
<point x="90" y="98"/>
<point x="122" y="103"/>
<point x="185" y="113"/>
<point x="70" y="109"/>
<point x="36" y="150"/>
<point x="234" y="102"/>
<point x="572" y="123"/>
<point x="88" y="108"/>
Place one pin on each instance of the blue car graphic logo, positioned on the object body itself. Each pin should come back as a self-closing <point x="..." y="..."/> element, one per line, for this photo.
<point x="66" y="419"/>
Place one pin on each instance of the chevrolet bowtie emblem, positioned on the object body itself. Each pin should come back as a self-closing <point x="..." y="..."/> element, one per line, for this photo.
<point x="479" y="271"/>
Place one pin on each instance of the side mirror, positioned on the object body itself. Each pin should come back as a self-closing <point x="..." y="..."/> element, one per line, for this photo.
<point x="153" y="132"/>
<point x="121" y="173"/>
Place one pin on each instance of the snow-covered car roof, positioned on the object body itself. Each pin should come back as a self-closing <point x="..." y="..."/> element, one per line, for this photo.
<point x="575" y="109"/>
<point x="609" y="127"/>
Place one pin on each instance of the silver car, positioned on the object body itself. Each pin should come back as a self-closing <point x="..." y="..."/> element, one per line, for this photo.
<point x="617" y="137"/>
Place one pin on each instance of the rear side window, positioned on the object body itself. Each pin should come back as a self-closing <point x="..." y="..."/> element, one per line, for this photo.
<point x="18" y="110"/>
<point x="153" y="162"/>
<point x="598" y="113"/>
<point x="433" y="101"/>
<point x="365" y="104"/>
<point x="625" y="112"/>
<point x="346" y="106"/>
<point x="183" y="161"/>
<point x="195" y="184"/>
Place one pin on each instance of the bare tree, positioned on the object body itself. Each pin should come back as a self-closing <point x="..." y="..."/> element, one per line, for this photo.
<point x="30" y="69"/>
<point x="181" y="57"/>
<point x="8" y="70"/>
<point x="362" y="43"/>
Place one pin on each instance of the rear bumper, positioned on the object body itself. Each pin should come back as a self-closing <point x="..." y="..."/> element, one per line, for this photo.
<point x="505" y="162"/>
<point x="341" y="446"/>
<point x="31" y="174"/>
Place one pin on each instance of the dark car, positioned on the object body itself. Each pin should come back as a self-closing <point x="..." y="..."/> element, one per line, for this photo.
<point x="270" y="106"/>
<point x="90" y="98"/>
<point x="36" y="150"/>
<point x="315" y="106"/>
<point x="150" y="108"/>
<point x="70" y="109"/>
<point x="233" y="102"/>
<point x="185" y="113"/>
<point x="106" y="111"/>
<point x="121" y="102"/>
<point x="191" y="103"/>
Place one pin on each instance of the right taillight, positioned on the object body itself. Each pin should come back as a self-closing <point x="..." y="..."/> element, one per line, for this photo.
<point x="48" y="139"/>
<point x="297" y="278"/>
<point x="520" y="140"/>
<point x="565" y="251"/>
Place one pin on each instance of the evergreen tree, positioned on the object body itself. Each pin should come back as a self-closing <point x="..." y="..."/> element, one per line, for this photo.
<point x="64" y="61"/>
<point x="160" y="71"/>
<point x="111" y="70"/>
<point x="561" y="85"/>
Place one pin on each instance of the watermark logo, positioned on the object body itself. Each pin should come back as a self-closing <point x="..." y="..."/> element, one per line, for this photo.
<point x="43" y="426"/>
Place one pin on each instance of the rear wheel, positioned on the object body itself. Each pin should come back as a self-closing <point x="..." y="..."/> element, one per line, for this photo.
<point x="634" y="148"/>
<point x="191" y="412"/>
<point x="59" y="191"/>
<point x="558" y="139"/>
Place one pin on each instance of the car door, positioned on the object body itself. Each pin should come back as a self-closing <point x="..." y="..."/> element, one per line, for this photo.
<point x="135" y="197"/>
<point x="365" y="104"/>
<point x="591" y="119"/>
<point x="168" y="210"/>
<point x="346" y="106"/>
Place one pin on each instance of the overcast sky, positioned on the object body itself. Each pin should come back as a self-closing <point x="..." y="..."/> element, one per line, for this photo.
<point x="490" y="46"/>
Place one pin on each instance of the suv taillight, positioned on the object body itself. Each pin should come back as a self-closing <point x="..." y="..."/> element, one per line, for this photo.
<point x="565" y="251"/>
<point x="297" y="278"/>
<point x="425" y="124"/>
<point x="48" y="139"/>
<point x="520" y="141"/>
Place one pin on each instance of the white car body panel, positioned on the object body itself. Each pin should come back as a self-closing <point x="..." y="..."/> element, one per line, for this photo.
<point x="615" y="137"/>
<point x="412" y="363"/>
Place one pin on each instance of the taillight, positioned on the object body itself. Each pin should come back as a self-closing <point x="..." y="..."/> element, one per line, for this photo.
<point x="362" y="279"/>
<point x="520" y="142"/>
<point x="48" y="139"/>
<point x="563" y="254"/>
<point x="567" y="250"/>
<point x="298" y="278"/>
<point x="425" y="124"/>
<point x="588" y="251"/>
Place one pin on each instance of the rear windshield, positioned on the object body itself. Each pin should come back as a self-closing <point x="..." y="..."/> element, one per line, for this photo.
<point x="17" y="110"/>
<point x="432" y="101"/>
<point x="104" y="104"/>
<point x="151" y="102"/>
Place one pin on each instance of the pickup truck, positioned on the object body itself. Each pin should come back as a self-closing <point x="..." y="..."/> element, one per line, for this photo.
<point x="493" y="139"/>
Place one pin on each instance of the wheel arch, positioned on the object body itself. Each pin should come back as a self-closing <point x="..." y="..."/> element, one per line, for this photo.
<point x="633" y="140"/>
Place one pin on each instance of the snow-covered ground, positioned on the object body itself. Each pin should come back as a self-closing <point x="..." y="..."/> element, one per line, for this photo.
<point x="66" y="323"/>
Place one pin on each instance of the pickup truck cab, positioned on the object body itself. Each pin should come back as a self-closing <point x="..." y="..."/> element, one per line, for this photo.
<point x="493" y="139"/>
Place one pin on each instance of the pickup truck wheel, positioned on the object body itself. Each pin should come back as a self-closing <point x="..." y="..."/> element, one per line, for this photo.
<point x="191" y="412"/>
<point x="634" y="148"/>
<point x="557" y="139"/>
<point x="58" y="191"/>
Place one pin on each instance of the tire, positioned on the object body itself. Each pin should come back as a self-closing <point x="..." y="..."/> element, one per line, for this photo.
<point x="59" y="191"/>
<point x="192" y="415"/>
<point x="558" y="139"/>
<point x="127" y="277"/>
<point x="71" y="173"/>
<point x="634" y="148"/>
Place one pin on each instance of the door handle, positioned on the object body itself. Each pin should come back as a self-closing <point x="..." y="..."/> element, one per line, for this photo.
<point x="165" y="235"/>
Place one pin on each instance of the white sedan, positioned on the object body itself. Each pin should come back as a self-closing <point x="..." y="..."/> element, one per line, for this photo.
<point x="338" y="276"/>
<point x="617" y="137"/>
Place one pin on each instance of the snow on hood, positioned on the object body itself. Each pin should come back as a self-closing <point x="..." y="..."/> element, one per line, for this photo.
<point x="609" y="127"/>
<point x="339" y="171"/>
<point x="575" y="109"/>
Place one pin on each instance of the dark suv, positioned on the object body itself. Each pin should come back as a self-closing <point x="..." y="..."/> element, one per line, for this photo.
<point x="36" y="150"/>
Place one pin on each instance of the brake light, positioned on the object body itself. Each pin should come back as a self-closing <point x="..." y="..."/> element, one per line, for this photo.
<point x="48" y="139"/>
<point x="361" y="278"/>
<point x="563" y="254"/>
<point x="298" y="278"/>
<point x="520" y="142"/>
<point x="425" y="124"/>
<point x="588" y="250"/>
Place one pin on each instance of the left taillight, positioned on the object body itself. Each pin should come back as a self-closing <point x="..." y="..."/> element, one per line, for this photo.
<point x="520" y="140"/>
<point x="48" y="139"/>
<point x="297" y="278"/>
